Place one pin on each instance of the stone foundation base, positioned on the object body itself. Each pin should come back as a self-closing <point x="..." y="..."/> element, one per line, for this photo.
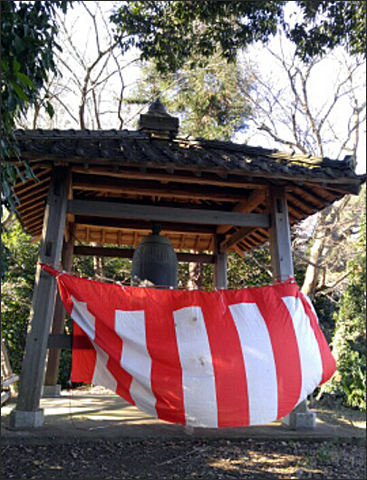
<point x="51" y="391"/>
<point x="298" y="421"/>
<point x="23" y="420"/>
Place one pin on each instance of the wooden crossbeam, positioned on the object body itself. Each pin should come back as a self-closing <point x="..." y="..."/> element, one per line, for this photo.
<point x="168" y="214"/>
<point x="185" y="177"/>
<point x="153" y="188"/>
<point x="247" y="206"/>
<point x="129" y="252"/>
<point x="235" y="238"/>
<point x="63" y="340"/>
<point x="126" y="224"/>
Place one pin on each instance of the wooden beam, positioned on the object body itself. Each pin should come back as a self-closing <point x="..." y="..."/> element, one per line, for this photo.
<point x="58" y="325"/>
<point x="62" y="340"/>
<point x="279" y="234"/>
<point x="129" y="225"/>
<point x="35" y="184"/>
<point x="354" y="188"/>
<point x="300" y="204"/>
<point x="240" y="252"/>
<point x="178" y="176"/>
<point x="129" y="252"/>
<point x="235" y="238"/>
<point x="247" y="206"/>
<point x="168" y="214"/>
<point x="304" y="193"/>
<point x="59" y="340"/>
<point x="153" y="188"/>
<point x="29" y="211"/>
<point x="31" y="198"/>
<point x="296" y="212"/>
<point x="220" y="266"/>
<point x="43" y="301"/>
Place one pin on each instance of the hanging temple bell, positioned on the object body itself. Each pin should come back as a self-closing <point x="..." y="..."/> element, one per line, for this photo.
<point x="155" y="261"/>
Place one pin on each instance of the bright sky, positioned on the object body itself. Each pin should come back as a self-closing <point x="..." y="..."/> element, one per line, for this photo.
<point x="321" y="87"/>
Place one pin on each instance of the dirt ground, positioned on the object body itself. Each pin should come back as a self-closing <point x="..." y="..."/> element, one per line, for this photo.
<point x="185" y="459"/>
<point x="192" y="457"/>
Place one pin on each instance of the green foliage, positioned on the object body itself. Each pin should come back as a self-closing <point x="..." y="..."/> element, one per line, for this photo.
<point x="326" y="311"/>
<point x="17" y="289"/>
<point x="210" y="95"/>
<point x="253" y="270"/>
<point x="349" y="342"/>
<point x="28" y="44"/>
<point x="328" y="24"/>
<point x="174" y="32"/>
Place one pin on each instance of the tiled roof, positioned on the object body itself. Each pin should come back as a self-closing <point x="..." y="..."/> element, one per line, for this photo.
<point x="138" y="167"/>
<point x="140" y="149"/>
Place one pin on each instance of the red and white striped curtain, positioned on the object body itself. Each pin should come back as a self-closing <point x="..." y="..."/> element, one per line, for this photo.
<point x="222" y="358"/>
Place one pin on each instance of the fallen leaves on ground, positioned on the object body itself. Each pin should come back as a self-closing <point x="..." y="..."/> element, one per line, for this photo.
<point x="184" y="459"/>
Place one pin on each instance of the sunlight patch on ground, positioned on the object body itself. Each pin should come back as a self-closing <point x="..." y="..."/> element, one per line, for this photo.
<point x="277" y="463"/>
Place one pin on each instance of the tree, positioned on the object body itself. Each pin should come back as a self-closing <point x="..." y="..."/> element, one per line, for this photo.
<point x="325" y="246"/>
<point x="349" y="342"/>
<point x="299" y="108"/>
<point x="17" y="287"/>
<point x="89" y="91"/>
<point x="211" y="98"/>
<point x="288" y="113"/>
<point x="174" y="32"/>
<point x="28" y="45"/>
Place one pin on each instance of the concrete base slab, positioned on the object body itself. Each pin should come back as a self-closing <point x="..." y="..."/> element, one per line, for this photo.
<point x="51" y="391"/>
<point x="93" y="417"/>
<point x="24" y="420"/>
<point x="298" y="421"/>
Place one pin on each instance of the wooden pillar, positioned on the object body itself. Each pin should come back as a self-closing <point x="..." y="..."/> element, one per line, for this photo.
<point x="51" y="389"/>
<point x="27" y="413"/>
<point x="280" y="235"/>
<point x="282" y="267"/>
<point x="220" y="266"/>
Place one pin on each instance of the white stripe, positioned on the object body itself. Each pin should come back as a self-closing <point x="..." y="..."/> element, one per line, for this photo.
<point x="82" y="316"/>
<point x="310" y="357"/>
<point x="135" y="358"/>
<point x="259" y="362"/>
<point x="87" y="322"/>
<point x="307" y="298"/>
<point x="102" y="376"/>
<point x="198" y="379"/>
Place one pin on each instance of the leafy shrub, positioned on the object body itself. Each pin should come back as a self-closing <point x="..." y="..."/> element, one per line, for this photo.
<point x="349" y="342"/>
<point x="17" y="290"/>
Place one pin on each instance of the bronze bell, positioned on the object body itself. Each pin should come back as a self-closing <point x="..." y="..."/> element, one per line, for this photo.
<point x="155" y="261"/>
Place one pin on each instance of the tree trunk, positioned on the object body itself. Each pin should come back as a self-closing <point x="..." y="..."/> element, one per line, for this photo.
<point x="98" y="263"/>
<point x="312" y="272"/>
<point x="195" y="274"/>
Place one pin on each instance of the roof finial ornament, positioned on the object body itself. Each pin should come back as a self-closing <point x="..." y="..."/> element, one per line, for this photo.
<point x="158" y="122"/>
<point x="157" y="107"/>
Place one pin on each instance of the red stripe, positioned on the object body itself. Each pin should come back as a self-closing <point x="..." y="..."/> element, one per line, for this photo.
<point x="83" y="360"/>
<point x="166" y="373"/>
<point x="284" y="343"/>
<point x="123" y="379"/>
<point x="106" y="336"/>
<point x="328" y="361"/>
<point x="109" y="300"/>
<point x="229" y="368"/>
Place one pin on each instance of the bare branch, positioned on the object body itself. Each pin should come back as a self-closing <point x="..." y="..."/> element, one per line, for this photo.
<point x="281" y="140"/>
<point x="93" y="16"/>
<point x="325" y="289"/>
